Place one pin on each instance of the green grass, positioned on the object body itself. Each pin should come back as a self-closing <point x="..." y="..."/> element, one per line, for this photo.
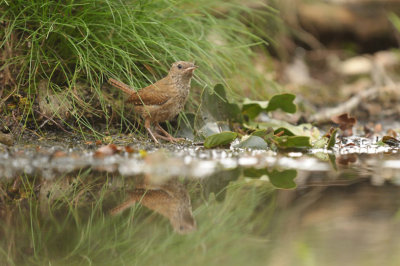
<point x="78" y="44"/>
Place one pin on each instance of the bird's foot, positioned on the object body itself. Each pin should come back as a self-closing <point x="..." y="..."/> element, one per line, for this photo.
<point x="152" y="135"/>
<point x="167" y="136"/>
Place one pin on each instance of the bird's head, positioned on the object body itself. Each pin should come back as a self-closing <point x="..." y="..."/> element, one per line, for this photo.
<point x="182" y="68"/>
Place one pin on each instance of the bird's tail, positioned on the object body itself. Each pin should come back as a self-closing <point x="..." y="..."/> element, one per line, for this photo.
<point x="123" y="206"/>
<point x="120" y="85"/>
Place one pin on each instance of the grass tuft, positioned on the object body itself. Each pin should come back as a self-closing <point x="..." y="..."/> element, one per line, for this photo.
<point x="77" y="44"/>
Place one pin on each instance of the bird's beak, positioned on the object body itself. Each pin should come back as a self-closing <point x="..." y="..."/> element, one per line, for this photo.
<point x="191" y="68"/>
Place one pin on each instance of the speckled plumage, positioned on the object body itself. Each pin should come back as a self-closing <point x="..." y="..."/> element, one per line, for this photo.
<point x="162" y="100"/>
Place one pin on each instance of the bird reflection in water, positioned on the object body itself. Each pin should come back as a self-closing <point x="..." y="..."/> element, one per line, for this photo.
<point x="170" y="199"/>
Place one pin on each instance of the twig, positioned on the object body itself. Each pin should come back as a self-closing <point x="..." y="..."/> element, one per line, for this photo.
<point x="52" y="120"/>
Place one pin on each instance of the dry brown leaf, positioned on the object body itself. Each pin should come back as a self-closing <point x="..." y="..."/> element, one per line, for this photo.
<point x="346" y="123"/>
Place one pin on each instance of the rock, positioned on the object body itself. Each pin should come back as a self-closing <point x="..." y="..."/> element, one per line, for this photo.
<point x="6" y="139"/>
<point x="52" y="104"/>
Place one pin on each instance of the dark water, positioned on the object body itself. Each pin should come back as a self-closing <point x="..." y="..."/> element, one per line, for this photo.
<point x="183" y="205"/>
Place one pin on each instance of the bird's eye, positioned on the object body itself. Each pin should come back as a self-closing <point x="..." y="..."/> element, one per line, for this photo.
<point x="180" y="66"/>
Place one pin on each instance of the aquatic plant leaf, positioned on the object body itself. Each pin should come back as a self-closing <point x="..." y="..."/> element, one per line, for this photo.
<point x="293" y="142"/>
<point x="332" y="140"/>
<point x="284" y="102"/>
<point x="283" y="179"/>
<point x="220" y="139"/>
<point x="253" y="142"/>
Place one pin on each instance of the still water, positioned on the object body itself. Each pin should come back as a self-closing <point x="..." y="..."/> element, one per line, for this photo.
<point x="184" y="205"/>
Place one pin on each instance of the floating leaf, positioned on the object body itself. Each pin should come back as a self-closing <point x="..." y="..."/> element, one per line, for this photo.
<point x="253" y="142"/>
<point x="220" y="139"/>
<point x="283" y="101"/>
<point x="332" y="140"/>
<point x="283" y="179"/>
<point x="293" y="142"/>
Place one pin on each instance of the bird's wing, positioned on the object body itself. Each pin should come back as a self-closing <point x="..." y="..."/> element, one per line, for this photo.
<point x="155" y="94"/>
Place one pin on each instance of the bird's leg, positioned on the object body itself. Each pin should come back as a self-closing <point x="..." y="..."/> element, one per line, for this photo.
<point x="167" y="135"/>
<point x="147" y="126"/>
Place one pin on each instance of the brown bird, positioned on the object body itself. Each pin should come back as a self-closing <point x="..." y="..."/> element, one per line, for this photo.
<point x="162" y="100"/>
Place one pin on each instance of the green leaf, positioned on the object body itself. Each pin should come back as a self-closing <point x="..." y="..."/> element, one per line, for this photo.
<point x="332" y="159"/>
<point x="253" y="142"/>
<point x="262" y="104"/>
<point x="216" y="107"/>
<point x="286" y="132"/>
<point x="253" y="108"/>
<point x="320" y="143"/>
<point x="299" y="130"/>
<point x="293" y="142"/>
<point x="283" y="101"/>
<point x="283" y="179"/>
<point x="279" y="179"/>
<point x="263" y="133"/>
<point x="332" y="140"/>
<point x="254" y="173"/>
<point x="220" y="139"/>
